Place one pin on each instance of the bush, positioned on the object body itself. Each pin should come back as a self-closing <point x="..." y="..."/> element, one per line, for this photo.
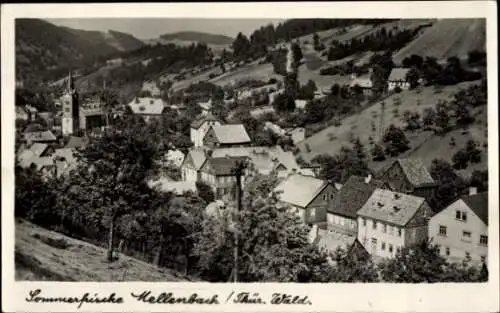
<point x="378" y="153"/>
<point x="460" y="159"/>
<point x="395" y="140"/>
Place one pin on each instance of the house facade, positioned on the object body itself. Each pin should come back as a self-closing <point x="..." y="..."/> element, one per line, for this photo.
<point x="200" y="127"/>
<point x="410" y="176"/>
<point x="461" y="229"/>
<point x="397" y="78"/>
<point x="389" y="221"/>
<point x="308" y="197"/>
<point x="342" y="215"/>
<point x="192" y="164"/>
<point x="218" y="174"/>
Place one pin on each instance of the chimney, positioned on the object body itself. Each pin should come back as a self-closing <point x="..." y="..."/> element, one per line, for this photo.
<point x="472" y="191"/>
<point x="368" y="178"/>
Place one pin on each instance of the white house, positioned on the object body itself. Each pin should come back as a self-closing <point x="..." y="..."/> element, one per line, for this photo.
<point x="397" y="78"/>
<point x="389" y="221"/>
<point x="200" y="127"/>
<point x="461" y="229"/>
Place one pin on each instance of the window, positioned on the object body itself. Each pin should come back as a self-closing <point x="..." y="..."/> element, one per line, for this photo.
<point x="313" y="213"/>
<point x="390" y="248"/>
<point x="399" y="232"/>
<point x="66" y="109"/>
<point x="324" y="197"/>
<point x="442" y="230"/>
<point x="374" y="224"/>
<point x="398" y="249"/>
<point x="447" y="251"/>
<point x="374" y="244"/>
<point x="483" y="258"/>
<point x="466" y="235"/>
<point x="364" y="221"/>
<point x="467" y="255"/>
<point x="384" y="228"/>
<point x="462" y="216"/>
<point x="391" y="231"/>
<point x="331" y="196"/>
<point x="483" y="240"/>
<point x="383" y="245"/>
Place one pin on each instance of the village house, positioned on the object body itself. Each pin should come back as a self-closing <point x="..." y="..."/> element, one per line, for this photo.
<point x="218" y="174"/>
<point x="297" y="134"/>
<point x="263" y="160"/>
<point x="206" y="107"/>
<point x="45" y="136"/>
<point x="342" y="215"/>
<point x="175" y="157"/>
<point x="152" y="88"/>
<point x="300" y="104"/>
<point x="409" y="176"/>
<point x="192" y="164"/>
<point x="225" y="136"/>
<point x="200" y="127"/>
<point x="389" y="221"/>
<point x="147" y="107"/>
<point x="461" y="229"/>
<point x="397" y="78"/>
<point x="307" y="196"/>
<point x="364" y="82"/>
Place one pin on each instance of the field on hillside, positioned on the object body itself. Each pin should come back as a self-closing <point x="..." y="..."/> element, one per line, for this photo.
<point x="46" y="255"/>
<point x="447" y="38"/>
<point x="424" y="144"/>
<point x="262" y="72"/>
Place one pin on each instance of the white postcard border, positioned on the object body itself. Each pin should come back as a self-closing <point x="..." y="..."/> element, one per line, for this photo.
<point x="325" y="297"/>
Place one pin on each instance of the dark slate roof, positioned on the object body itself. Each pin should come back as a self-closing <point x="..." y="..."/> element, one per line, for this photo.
<point x="416" y="172"/>
<point x="224" y="166"/>
<point x="353" y="194"/>
<point x="479" y="204"/>
<point x="202" y="119"/>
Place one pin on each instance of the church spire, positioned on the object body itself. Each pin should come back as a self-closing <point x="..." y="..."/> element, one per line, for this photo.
<point x="71" y="85"/>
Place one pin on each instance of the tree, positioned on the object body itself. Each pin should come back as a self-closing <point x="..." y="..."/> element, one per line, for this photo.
<point x="479" y="179"/>
<point x="449" y="184"/>
<point x="460" y="159"/>
<point x="274" y="245"/>
<point x="412" y="77"/>
<point x="316" y="40"/>
<point x="359" y="149"/>
<point x="442" y="119"/>
<point x="378" y="153"/>
<point x="429" y="117"/>
<point x="307" y="90"/>
<point x="412" y="120"/>
<point x="205" y="192"/>
<point x="297" y="55"/>
<point x="340" y="167"/>
<point x="352" y="266"/>
<point x="241" y="46"/>
<point x="473" y="153"/>
<point x="115" y="167"/>
<point x="395" y="141"/>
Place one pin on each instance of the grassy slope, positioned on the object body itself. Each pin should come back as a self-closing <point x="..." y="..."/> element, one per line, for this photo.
<point x="79" y="261"/>
<point x="424" y="144"/>
<point x="447" y="38"/>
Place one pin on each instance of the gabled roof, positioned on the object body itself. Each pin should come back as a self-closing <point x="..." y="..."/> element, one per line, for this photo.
<point x="202" y="119"/>
<point x="363" y="82"/>
<point x="398" y="74"/>
<point x="38" y="148"/>
<point x="479" y="204"/>
<point x="177" y="187"/>
<point x="198" y="156"/>
<point x="231" y="134"/>
<point x="222" y="166"/>
<point x="353" y="195"/>
<point x="147" y="105"/>
<point x="26" y="157"/>
<point x="46" y="135"/>
<point x="416" y="172"/>
<point x="76" y="142"/>
<point x="300" y="190"/>
<point x="391" y="207"/>
<point x="263" y="158"/>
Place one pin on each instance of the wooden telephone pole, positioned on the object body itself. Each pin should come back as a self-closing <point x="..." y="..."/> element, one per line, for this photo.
<point x="238" y="171"/>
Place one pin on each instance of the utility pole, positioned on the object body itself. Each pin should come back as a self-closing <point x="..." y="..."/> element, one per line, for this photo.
<point x="238" y="171"/>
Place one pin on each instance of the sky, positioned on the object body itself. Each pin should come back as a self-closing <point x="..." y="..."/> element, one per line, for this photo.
<point x="148" y="28"/>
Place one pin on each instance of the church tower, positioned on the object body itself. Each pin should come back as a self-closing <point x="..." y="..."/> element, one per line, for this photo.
<point x="70" y="118"/>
